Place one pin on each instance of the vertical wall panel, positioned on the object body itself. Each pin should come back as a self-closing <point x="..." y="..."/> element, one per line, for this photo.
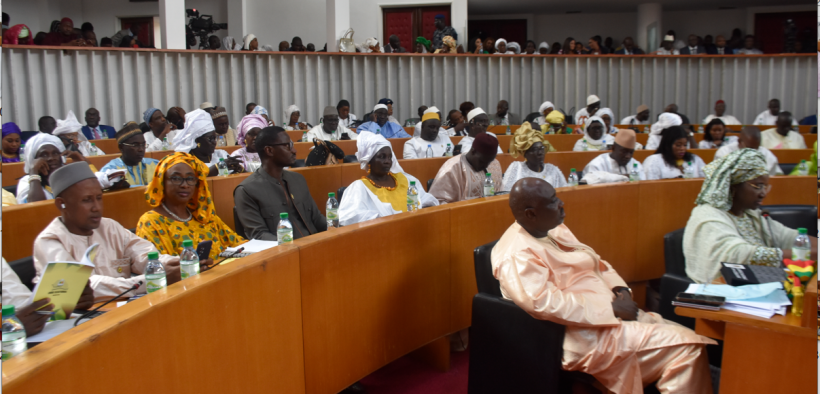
<point x="122" y="84"/>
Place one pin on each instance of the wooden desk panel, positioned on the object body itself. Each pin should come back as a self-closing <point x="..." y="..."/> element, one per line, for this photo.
<point x="472" y="224"/>
<point x="365" y="304"/>
<point x="792" y="190"/>
<point x="321" y="180"/>
<point x="12" y="172"/>
<point x="162" y="153"/>
<point x="247" y="314"/>
<point x="792" y="156"/>
<point x="222" y="195"/>
<point x="423" y="169"/>
<point x="109" y="146"/>
<point x="27" y="220"/>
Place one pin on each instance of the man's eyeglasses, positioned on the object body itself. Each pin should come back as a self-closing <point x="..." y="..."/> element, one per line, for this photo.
<point x="765" y="188"/>
<point x="177" y="180"/>
<point x="134" y="145"/>
<point x="289" y="144"/>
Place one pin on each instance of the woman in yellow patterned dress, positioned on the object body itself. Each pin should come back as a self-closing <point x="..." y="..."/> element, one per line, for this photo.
<point x="183" y="208"/>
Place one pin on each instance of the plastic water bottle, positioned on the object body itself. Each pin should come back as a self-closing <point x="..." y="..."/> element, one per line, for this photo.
<point x="413" y="197"/>
<point x="332" y="210"/>
<point x="154" y="273"/>
<point x="165" y="144"/>
<point x="700" y="128"/>
<point x="573" y="178"/>
<point x="284" y="231"/>
<point x="22" y="152"/>
<point x="489" y="186"/>
<point x="14" y="334"/>
<point x="800" y="251"/>
<point x="802" y="168"/>
<point x="447" y="153"/>
<point x="646" y="129"/>
<point x="254" y="164"/>
<point x="508" y="130"/>
<point x="634" y="175"/>
<point x="429" y="153"/>
<point x="378" y="131"/>
<point x="188" y="260"/>
<point x="221" y="141"/>
<point x="688" y="170"/>
<point x="304" y="136"/>
<point x="93" y="151"/>
<point x="223" y="168"/>
<point x="584" y="146"/>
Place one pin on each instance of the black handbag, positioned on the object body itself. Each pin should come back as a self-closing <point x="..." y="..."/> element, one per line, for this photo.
<point x="324" y="153"/>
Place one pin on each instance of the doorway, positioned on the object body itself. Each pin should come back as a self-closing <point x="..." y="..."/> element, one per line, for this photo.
<point x="410" y="22"/>
<point x="770" y="30"/>
<point x="508" y="29"/>
<point x="146" y="24"/>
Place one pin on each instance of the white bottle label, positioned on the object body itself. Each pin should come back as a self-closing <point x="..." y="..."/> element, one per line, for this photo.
<point x="333" y="213"/>
<point x="188" y="268"/>
<point x="800" y="254"/>
<point x="155" y="282"/>
<point x="284" y="235"/>
<point x="14" y="347"/>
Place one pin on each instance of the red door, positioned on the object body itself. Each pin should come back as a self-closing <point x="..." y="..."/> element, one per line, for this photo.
<point x="399" y="21"/>
<point x="770" y="29"/>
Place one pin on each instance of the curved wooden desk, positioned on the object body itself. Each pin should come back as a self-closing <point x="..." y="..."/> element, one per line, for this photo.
<point x="334" y="307"/>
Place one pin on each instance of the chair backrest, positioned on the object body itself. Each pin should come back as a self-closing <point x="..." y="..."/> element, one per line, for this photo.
<point x="24" y="268"/>
<point x="487" y="283"/>
<point x="673" y="253"/>
<point x="787" y="168"/>
<point x="340" y="192"/>
<point x="532" y="117"/>
<point x="239" y="229"/>
<point x="350" y="159"/>
<point x="299" y="163"/>
<point x="429" y="184"/>
<point x="795" y="216"/>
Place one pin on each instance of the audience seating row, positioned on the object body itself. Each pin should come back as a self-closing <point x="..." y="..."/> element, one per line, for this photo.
<point x="332" y="308"/>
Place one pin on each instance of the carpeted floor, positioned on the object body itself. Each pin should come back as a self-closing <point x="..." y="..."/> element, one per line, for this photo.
<point x="409" y="376"/>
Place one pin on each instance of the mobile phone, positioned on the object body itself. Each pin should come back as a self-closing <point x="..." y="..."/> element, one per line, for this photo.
<point x="203" y="250"/>
<point x="457" y="150"/>
<point x="700" y="299"/>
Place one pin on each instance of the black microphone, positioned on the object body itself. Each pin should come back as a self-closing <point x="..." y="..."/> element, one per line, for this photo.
<point x="768" y="218"/>
<point x="89" y="313"/>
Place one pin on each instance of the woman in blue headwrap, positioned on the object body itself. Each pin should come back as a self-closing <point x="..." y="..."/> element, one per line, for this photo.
<point x="11" y="143"/>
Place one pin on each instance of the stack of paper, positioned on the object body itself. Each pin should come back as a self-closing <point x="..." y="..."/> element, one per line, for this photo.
<point x="252" y="246"/>
<point x="756" y="300"/>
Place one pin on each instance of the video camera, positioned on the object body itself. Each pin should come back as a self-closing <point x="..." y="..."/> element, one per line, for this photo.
<point x="201" y="26"/>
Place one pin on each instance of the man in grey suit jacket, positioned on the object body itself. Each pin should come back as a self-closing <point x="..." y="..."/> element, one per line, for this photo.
<point x="503" y="116"/>
<point x="272" y="190"/>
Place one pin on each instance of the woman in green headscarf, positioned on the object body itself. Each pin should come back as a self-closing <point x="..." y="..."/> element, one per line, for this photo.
<point x="422" y="45"/>
<point x="728" y="226"/>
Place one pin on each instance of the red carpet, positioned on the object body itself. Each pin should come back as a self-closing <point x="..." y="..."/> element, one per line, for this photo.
<point x="408" y="376"/>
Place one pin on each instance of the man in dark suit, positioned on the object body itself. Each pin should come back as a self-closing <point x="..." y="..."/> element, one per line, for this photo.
<point x="693" y="48"/>
<point x="93" y="130"/>
<point x="720" y="47"/>
<point x="629" y="48"/>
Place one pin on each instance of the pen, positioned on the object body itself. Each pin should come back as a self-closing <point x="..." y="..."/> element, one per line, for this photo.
<point x="50" y="313"/>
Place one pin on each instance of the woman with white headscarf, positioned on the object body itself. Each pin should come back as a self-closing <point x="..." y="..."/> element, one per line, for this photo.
<point x="545" y="109"/>
<point x="370" y="45"/>
<point x="291" y="121"/>
<point x="607" y="115"/>
<point x="543" y="48"/>
<point x="501" y="47"/>
<point x="230" y="44"/>
<point x="594" y="136"/>
<point x="68" y="130"/>
<point x="665" y="120"/>
<point x="250" y="43"/>
<point x="45" y="154"/>
<point x="383" y="191"/>
<point x="261" y="111"/>
<point x="199" y="139"/>
<point x="514" y="47"/>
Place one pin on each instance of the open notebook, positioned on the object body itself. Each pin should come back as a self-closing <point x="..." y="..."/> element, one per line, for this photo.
<point x="251" y="247"/>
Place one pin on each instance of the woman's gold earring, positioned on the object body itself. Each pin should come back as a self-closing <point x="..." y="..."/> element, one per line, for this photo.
<point x="198" y="145"/>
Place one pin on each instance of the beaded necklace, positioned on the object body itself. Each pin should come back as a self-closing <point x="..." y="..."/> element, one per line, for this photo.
<point x="390" y="189"/>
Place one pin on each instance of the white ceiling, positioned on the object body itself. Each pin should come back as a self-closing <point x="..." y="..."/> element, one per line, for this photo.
<point x="485" y="7"/>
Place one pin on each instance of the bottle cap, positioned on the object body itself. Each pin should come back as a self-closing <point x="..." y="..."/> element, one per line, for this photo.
<point x="93" y="144"/>
<point x="188" y="243"/>
<point x="572" y="170"/>
<point x="283" y="215"/>
<point x="801" y="161"/>
<point x="153" y="255"/>
<point x="221" y="159"/>
<point x="428" y="145"/>
<point x="412" y="183"/>
<point x="635" y="165"/>
<point x="8" y="310"/>
<point x="331" y="194"/>
<point x="802" y="230"/>
<point x="447" y="145"/>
